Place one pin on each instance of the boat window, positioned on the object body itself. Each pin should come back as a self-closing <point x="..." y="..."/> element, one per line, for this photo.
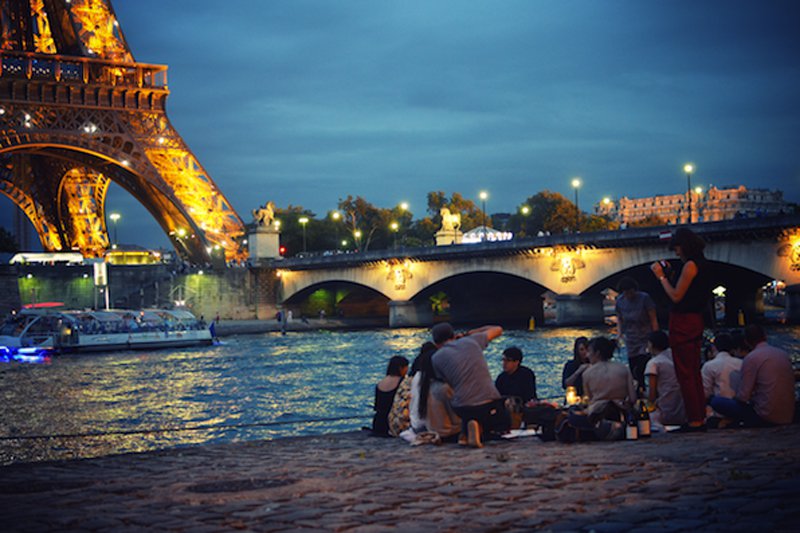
<point x="14" y="326"/>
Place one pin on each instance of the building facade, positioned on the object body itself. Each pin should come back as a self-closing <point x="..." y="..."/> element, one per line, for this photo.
<point x="701" y="206"/>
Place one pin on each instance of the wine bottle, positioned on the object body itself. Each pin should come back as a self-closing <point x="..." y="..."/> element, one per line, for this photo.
<point x="643" y="420"/>
<point x="631" y="429"/>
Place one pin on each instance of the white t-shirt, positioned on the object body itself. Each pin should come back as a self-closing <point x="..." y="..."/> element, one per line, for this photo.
<point x="670" y="400"/>
<point x="721" y="375"/>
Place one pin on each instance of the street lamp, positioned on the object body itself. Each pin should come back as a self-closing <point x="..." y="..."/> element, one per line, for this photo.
<point x="336" y="216"/>
<point x="395" y="226"/>
<point x="483" y="195"/>
<point x="303" y="221"/>
<point x="114" y="218"/>
<point x="525" y="210"/>
<point x="699" y="192"/>
<point x="404" y="206"/>
<point x="357" y="238"/>
<point x="576" y="184"/>
<point x="689" y="169"/>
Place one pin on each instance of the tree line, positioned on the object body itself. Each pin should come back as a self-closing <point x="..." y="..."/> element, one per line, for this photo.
<point x="357" y="224"/>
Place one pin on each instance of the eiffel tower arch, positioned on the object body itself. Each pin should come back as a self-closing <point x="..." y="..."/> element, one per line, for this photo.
<point x="77" y="112"/>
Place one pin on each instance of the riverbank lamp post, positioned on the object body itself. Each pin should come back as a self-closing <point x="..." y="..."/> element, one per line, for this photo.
<point x="576" y="184"/>
<point x="395" y="226"/>
<point x="699" y="192"/>
<point x="357" y="238"/>
<point x="688" y="168"/>
<point x="114" y="218"/>
<point x="303" y="221"/>
<point x="336" y="216"/>
<point x="483" y="195"/>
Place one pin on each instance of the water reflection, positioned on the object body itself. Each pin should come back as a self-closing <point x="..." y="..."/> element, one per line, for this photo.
<point x="247" y="388"/>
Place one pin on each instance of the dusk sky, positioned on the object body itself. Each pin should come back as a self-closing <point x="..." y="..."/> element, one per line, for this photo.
<point x="305" y="102"/>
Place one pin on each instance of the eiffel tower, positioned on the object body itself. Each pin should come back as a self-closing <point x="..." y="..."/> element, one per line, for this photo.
<point x="77" y="112"/>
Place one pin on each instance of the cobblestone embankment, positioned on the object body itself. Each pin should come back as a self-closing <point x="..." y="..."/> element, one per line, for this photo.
<point x="734" y="480"/>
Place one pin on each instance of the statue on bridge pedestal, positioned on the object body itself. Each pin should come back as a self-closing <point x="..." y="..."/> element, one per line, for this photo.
<point x="450" y="233"/>
<point x="263" y="240"/>
<point x="264" y="215"/>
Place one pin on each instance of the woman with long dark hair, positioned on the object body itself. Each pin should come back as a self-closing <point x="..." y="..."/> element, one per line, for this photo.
<point x="384" y="394"/>
<point x="431" y="408"/>
<point x="574" y="368"/>
<point x="690" y="296"/>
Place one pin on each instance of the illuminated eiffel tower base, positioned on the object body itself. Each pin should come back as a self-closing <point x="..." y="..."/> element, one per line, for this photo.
<point x="77" y="113"/>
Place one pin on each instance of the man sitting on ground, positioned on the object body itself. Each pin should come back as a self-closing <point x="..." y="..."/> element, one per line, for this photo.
<point x="765" y="395"/>
<point x="460" y="362"/>
<point x="516" y="380"/>
<point x="722" y="373"/>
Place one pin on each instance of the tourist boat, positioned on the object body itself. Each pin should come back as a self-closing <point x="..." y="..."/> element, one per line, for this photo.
<point x="56" y="331"/>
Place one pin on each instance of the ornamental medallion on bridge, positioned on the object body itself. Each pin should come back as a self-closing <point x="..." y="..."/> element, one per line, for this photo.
<point x="567" y="263"/>
<point x="791" y="250"/>
<point x="398" y="274"/>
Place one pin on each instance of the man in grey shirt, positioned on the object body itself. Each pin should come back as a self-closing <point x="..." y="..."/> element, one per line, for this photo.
<point x="636" y="317"/>
<point x="460" y="362"/>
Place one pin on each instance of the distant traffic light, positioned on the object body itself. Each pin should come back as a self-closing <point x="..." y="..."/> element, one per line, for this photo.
<point x="282" y="250"/>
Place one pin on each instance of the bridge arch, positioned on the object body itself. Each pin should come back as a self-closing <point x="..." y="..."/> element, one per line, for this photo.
<point x="338" y="298"/>
<point x="51" y="169"/>
<point x="483" y="295"/>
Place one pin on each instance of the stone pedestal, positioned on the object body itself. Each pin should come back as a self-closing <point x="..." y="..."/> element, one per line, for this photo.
<point x="263" y="242"/>
<point x="407" y="314"/>
<point x="446" y="238"/>
<point x="574" y="310"/>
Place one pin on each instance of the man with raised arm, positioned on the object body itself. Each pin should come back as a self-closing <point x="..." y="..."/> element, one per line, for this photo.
<point x="460" y="362"/>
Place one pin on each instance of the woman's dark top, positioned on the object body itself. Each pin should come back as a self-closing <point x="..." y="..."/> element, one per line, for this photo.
<point x="699" y="293"/>
<point x="383" y="404"/>
<point x="569" y="369"/>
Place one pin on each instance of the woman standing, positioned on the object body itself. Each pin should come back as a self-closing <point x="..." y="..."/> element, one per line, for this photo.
<point x="690" y="296"/>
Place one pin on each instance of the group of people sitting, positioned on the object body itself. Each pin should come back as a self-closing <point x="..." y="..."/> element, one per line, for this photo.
<point x="746" y="381"/>
<point x="449" y="393"/>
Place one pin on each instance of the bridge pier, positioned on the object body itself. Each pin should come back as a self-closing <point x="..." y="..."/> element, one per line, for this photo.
<point x="267" y="287"/>
<point x="407" y="313"/>
<point x="747" y="299"/>
<point x="575" y="310"/>
<point x="793" y="304"/>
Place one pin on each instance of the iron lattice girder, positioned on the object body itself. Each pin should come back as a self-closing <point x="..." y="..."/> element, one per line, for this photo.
<point x="87" y="28"/>
<point x="124" y="125"/>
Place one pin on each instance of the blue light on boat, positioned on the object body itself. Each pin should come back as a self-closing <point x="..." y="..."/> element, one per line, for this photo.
<point x="33" y="354"/>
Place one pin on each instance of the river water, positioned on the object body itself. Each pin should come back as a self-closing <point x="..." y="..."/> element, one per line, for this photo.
<point x="250" y="387"/>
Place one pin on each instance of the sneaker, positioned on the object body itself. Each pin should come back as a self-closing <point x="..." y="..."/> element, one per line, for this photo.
<point x="474" y="434"/>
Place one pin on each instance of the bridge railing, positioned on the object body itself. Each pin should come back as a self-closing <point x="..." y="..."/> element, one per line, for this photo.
<point x="81" y="70"/>
<point x="642" y="236"/>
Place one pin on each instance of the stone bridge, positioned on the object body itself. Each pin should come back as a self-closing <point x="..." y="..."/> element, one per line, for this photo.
<point x="507" y="282"/>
